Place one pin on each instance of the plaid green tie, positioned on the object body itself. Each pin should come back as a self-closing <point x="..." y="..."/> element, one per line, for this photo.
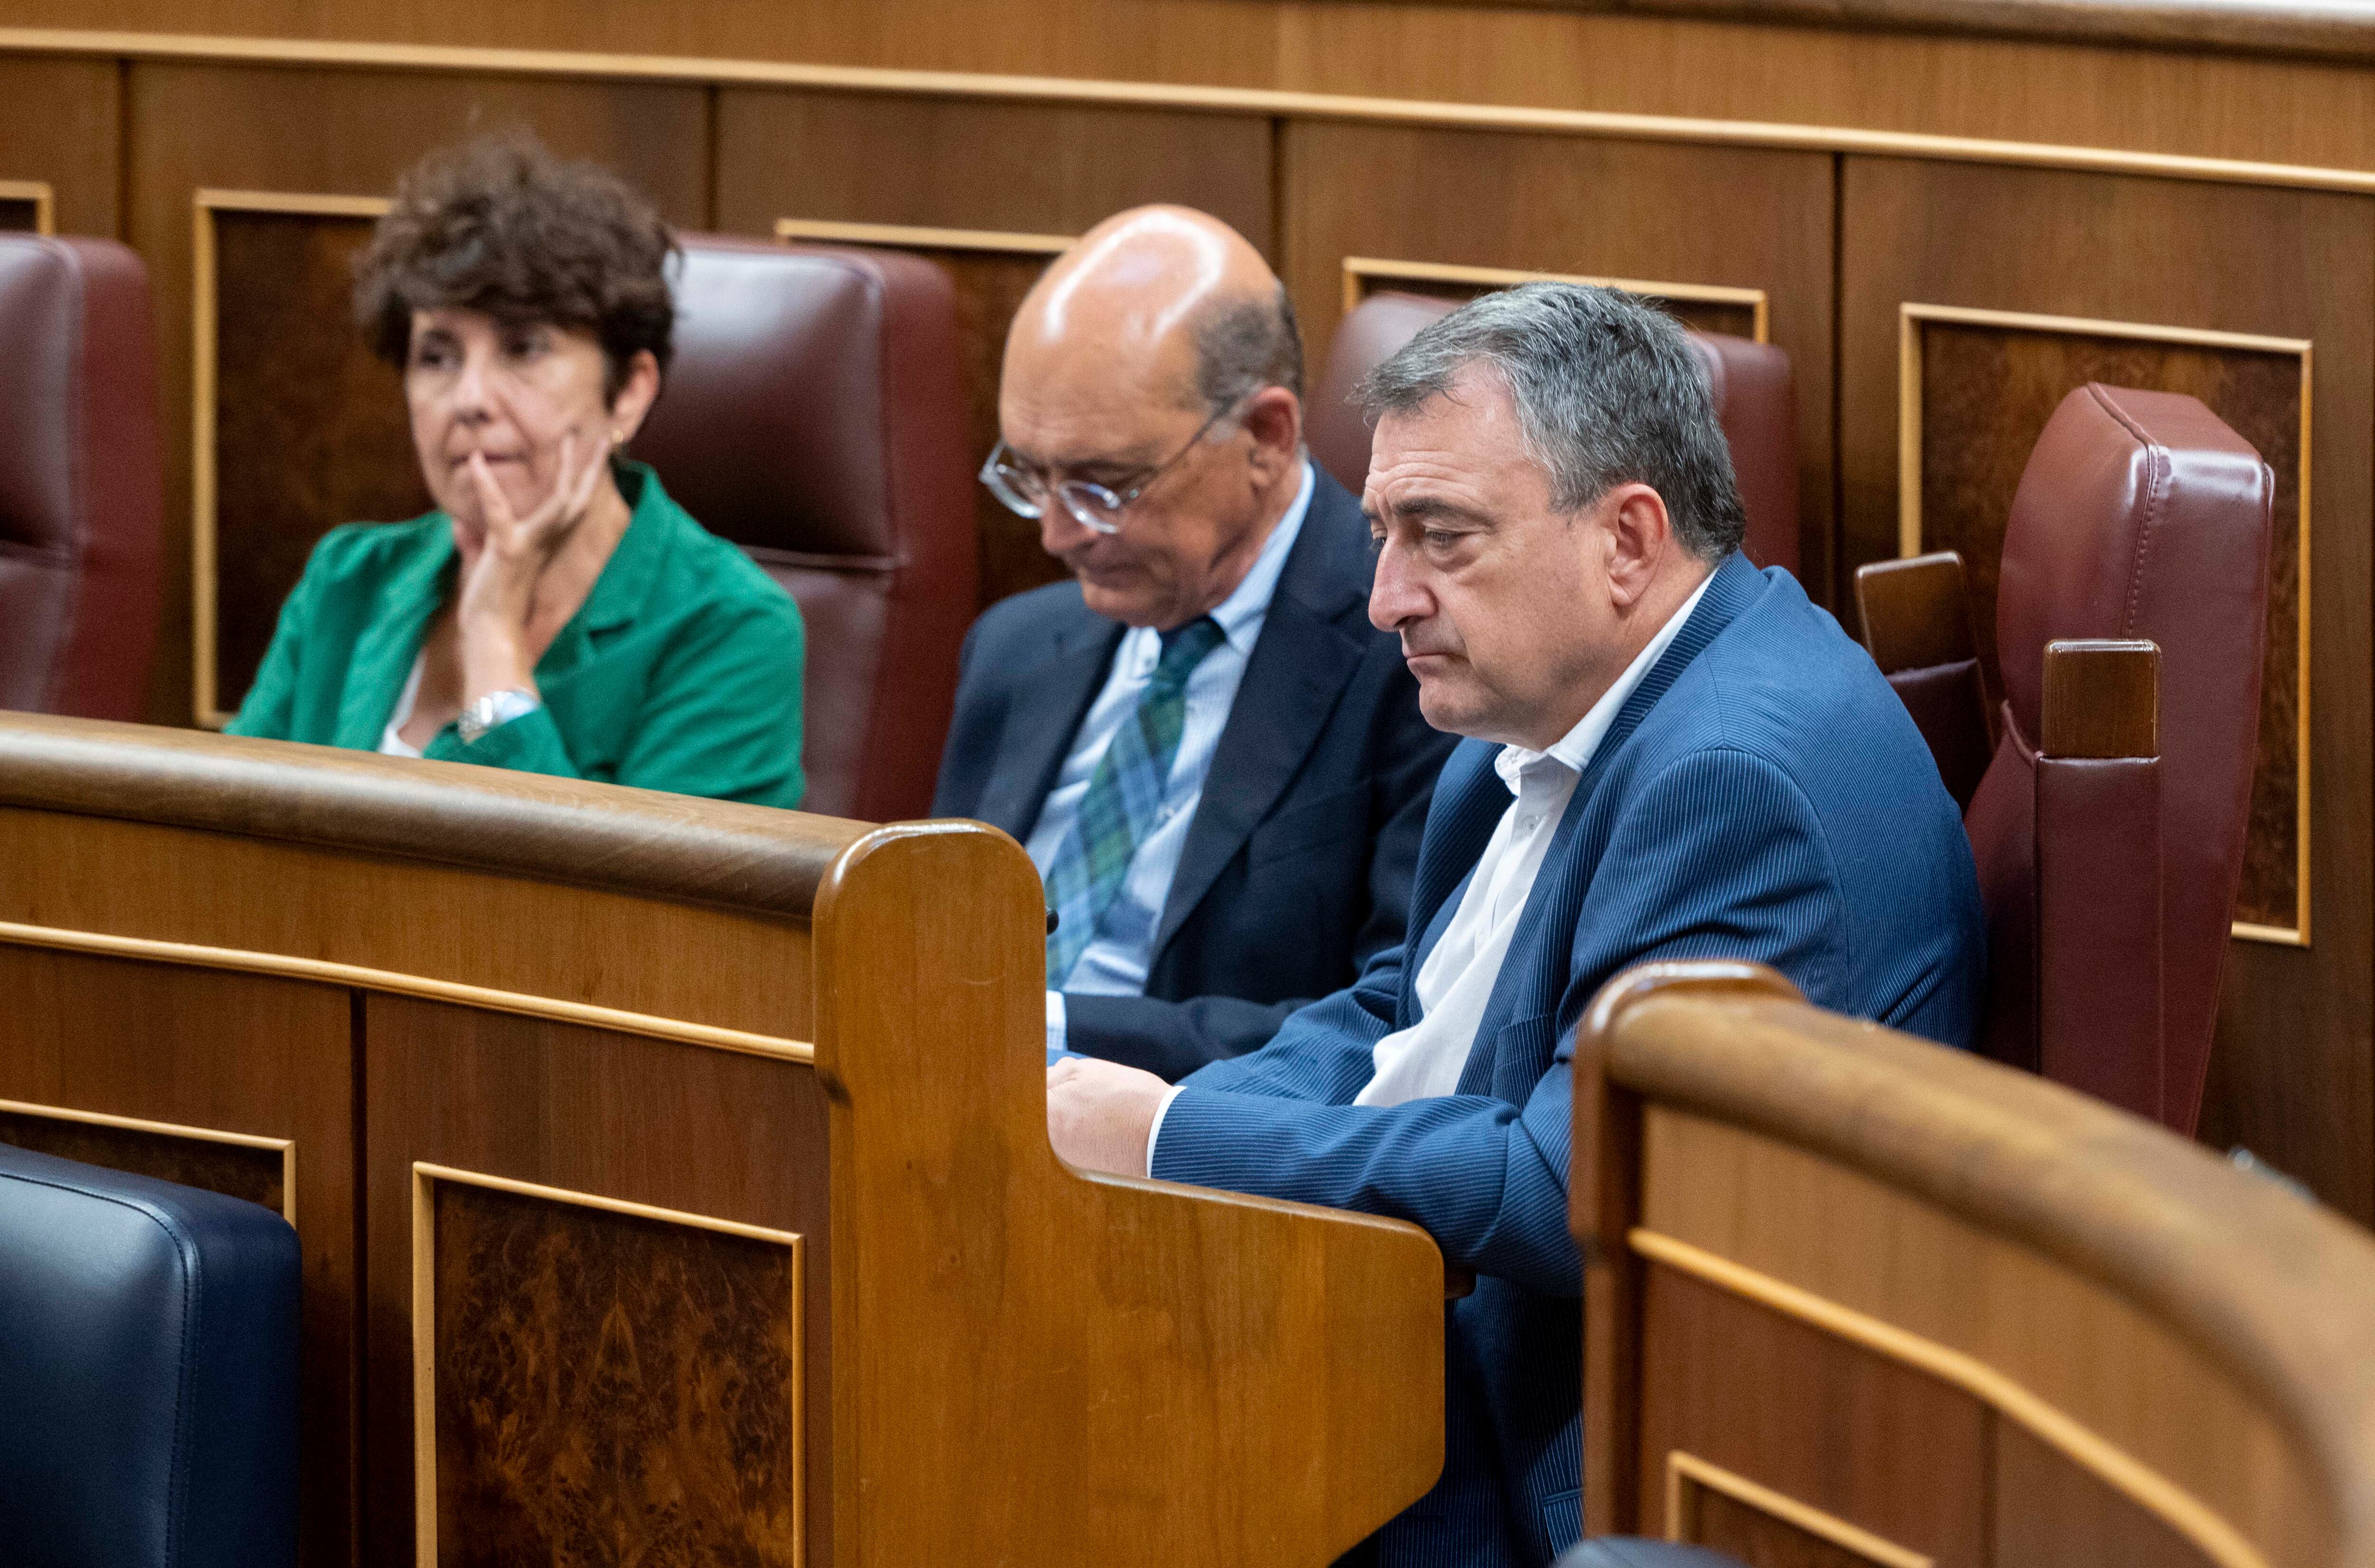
<point x="1124" y="799"/>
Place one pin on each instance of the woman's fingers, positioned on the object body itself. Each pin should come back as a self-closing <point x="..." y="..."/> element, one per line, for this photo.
<point x="493" y="506"/>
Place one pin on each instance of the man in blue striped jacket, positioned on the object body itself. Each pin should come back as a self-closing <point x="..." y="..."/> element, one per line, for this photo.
<point x="1671" y="755"/>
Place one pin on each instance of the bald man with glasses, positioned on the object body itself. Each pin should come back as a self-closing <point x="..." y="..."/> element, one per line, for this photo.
<point x="1216" y="762"/>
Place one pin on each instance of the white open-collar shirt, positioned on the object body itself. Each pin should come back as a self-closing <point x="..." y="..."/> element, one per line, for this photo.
<point x="1456" y="982"/>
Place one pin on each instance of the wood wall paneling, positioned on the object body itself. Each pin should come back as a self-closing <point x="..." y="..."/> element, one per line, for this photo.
<point x="2079" y="94"/>
<point x="299" y="426"/>
<point x="61" y="128"/>
<point x="1703" y="307"/>
<point x="727" y="1137"/>
<point x="1976" y="390"/>
<point x="593" y="1374"/>
<point x="264" y="1058"/>
<point x="342" y="132"/>
<point x="985" y="190"/>
<point x="1751" y="220"/>
<point x="2290" y="1074"/>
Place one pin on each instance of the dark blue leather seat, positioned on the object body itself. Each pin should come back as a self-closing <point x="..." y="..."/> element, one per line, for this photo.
<point x="147" y="1372"/>
<point x="1630" y="1552"/>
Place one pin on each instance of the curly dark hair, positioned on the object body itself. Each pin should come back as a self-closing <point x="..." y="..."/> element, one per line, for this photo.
<point x="500" y="225"/>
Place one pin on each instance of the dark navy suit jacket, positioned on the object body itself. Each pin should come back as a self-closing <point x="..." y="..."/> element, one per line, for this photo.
<point x="1760" y="795"/>
<point x="1297" y="866"/>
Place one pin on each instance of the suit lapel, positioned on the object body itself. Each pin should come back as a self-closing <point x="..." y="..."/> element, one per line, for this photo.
<point x="1049" y="700"/>
<point x="1297" y="671"/>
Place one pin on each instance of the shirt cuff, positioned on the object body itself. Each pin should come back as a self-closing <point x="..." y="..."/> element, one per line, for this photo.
<point x="1155" y="1129"/>
<point x="1054" y="1023"/>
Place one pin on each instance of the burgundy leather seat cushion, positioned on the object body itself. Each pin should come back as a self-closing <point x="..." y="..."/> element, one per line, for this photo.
<point x="81" y="499"/>
<point x="2140" y="515"/>
<point x="811" y="417"/>
<point x="1754" y="397"/>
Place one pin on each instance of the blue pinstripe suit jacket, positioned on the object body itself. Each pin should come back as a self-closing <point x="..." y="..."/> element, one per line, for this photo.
<point x="1762" y="795"/>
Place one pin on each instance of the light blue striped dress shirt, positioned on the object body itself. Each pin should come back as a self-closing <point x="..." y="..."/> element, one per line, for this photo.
<point x="1115" y="963"/>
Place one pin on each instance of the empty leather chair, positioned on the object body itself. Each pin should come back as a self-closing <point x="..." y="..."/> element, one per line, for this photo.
<point x="147" y="1372"/>
<point x="1755" y="398"/>
<point x="2142" y="517"/>
<point x="811" y="417"/>
<point x="81" y="499"/>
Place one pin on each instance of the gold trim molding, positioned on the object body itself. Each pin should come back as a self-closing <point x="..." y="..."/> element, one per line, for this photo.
<point x="919" y="237"/>
<point x="1361" y="272"/>
<point x="44" y="200"/>
<point x="204" y="345"/>
<point x="1911" y="320"/>
<point x="286" y="1147"/>
<point x="424" y="1329"/>
<point x="1154" y="95"/>
<point x="1688" y="1469"/>
<point x="2108" y="1463"/>
<point x="391" y="983"/>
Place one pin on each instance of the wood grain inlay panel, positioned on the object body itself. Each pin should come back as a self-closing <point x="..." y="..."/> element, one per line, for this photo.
<point x="309" y="428"/>
<point x="235" y="1170"/>
<point x="611" y="1388"/>
<point x="1986" y="392"/>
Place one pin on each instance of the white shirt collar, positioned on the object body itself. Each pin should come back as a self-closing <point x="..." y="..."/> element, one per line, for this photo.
<point x="1573" y="750"/>
<point x="1240" y="615"/>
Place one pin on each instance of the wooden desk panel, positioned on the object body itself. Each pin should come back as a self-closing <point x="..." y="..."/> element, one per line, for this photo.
<point x="198" y="1057"/>
<point x="599" y="1372"/>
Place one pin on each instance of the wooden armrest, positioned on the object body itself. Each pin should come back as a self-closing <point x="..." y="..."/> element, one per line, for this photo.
<point x="2102" y="700"/>
<point x="1917" y="613"/>
<point x="2098" y="875"/>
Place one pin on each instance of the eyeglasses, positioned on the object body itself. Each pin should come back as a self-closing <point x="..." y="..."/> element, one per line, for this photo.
<point x="1093" y="506"/>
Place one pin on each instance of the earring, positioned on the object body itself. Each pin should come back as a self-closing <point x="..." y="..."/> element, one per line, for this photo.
<point x="617" y="437"/>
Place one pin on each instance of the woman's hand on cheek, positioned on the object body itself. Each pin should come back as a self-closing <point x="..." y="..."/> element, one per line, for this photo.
<point x="498" y="591"/>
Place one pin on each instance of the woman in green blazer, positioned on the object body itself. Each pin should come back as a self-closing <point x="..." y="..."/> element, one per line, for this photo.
<point x="557" y="613"/>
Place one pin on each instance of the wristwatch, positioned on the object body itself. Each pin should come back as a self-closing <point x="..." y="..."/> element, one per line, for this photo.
<point x="495" y="708"/>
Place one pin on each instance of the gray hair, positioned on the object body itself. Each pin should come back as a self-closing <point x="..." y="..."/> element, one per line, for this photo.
<point x="1242" y="346"/>
<point x="1608" y="390"/>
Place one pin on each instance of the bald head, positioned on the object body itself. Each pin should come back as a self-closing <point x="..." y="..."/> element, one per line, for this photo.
<point x="1158" y="357"/>
<point x="1156" y="302"/>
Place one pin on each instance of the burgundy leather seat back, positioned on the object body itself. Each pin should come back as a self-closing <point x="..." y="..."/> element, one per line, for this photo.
<point x="2140" y="516"/>
<point x="1755" y="398"/>
<point x="811" y="417"/>
<point x="81" y="497"/>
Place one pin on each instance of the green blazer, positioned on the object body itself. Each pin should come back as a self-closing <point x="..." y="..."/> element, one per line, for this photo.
<point x="681" y="671"/>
